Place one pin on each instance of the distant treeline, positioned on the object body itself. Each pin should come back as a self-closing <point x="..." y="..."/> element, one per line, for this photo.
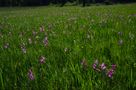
<point x="58" y="2"/>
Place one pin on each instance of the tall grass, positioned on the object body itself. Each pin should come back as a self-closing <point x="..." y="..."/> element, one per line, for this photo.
<point x="76" y="37"/>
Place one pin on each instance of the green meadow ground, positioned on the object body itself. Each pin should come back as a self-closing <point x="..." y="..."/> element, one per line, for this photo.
<point x="105" y="33"/>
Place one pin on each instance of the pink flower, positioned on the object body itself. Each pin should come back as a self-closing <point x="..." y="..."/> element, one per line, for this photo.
<point x="30" y="74"/>
<point x="23" y="48"/>
<point x="103" y="66"/>
<point x="42" y="59"/>
<point x="41" y="29"/>
<point x="110" y="73"/>
<point x="45" y="41"/>
<point x="113" y="67"/>
<point x="95" y="64"/>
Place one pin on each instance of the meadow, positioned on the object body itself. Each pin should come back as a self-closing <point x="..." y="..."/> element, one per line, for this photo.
<point x="68" y="48"/>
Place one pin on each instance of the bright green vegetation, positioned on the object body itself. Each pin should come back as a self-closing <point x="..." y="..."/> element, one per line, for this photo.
<point x="74" y="33"/>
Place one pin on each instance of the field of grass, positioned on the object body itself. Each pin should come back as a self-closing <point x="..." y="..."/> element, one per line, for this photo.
<point x="56" y="48"/>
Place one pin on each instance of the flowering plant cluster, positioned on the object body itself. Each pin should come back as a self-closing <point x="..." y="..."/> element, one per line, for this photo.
<point x="31" y="76"/>
<point x="103" y="68"/>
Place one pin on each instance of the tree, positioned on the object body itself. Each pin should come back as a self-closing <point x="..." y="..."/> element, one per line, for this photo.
<point x="84" y="1"/>
<point x="61" y="2"/>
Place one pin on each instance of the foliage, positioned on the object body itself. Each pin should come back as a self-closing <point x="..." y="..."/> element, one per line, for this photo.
<point x="62" y="2"/>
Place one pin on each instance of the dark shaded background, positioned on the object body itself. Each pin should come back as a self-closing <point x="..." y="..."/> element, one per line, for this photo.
<point x="59" y="2"/>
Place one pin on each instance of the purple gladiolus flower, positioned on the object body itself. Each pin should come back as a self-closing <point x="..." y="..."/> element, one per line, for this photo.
<point x="113" y="67"/>
<point x="45" y="41"/>
<point x="103" y="66"/>
<point x="42" y="60"/>
<point x="110" y="73"/>
<point x="23" y="49"/>
<point x="30" y="74"/>
<point x="41" y="29"/>
<point x="95" y="64"/>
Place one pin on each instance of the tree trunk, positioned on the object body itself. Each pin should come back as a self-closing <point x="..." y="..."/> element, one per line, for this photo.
<point x="83" y="3"/>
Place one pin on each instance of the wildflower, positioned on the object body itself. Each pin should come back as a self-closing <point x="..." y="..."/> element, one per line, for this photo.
<point x="30" y="74"/>
<point x="66" y="49"/>
<point x="30" y="40"/>
<point x="103" y="66"/>
<point x="113" y="67"/>
<point x="95" y="64"/>
<point x="45" y="41"/>
<point x="23" y="49"/>
<point x="42" y="59"/>
<point x="6" y="45"/>
<point x="41" y="29"/>
<point x="120" y="33"/>
<point x="110" y="73"/>
<point x="120" y="42"/>
<point x="84" y="63"/>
